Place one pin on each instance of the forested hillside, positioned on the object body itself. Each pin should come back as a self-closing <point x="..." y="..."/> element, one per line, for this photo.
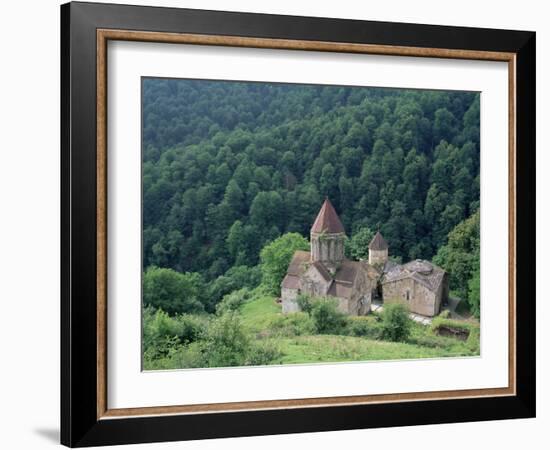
<point x="228" y="167"/>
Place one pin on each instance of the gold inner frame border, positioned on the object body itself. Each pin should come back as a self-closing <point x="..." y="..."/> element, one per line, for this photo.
<point x="105" y="35"/>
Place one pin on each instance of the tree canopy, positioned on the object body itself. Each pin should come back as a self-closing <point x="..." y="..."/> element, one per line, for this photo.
<point x="229" y="167"/>
<point x="358" y="246"/>
<point x="460" y="257"/>
<point x="172" y="291"/>
<point x="275" y="258"/>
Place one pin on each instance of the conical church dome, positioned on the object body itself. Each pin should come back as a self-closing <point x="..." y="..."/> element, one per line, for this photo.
<point x="327" y="220"/>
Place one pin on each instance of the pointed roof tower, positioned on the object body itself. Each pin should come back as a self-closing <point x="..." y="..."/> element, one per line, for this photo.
<point x="327" y="220"/>
<point x="378" y="242"/>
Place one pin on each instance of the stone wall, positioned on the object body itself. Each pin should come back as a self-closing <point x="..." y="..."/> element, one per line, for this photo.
<point x="327" y="248"/>
<point x="378" y="257"/>
<point x="425" y="302"/>
<point x="360" y="302"/>
<point x="288" y="300"/>
<point x="343" y="305"/>
<point x="314" y="284"/>
<point x="363" y="295"/>
<point x="420" y="299"/>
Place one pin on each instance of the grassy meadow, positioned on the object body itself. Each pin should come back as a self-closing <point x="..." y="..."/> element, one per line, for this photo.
<point x="253" y="331"/>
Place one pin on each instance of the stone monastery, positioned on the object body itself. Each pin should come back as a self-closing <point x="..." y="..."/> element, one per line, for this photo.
<point x="326" y="272"/>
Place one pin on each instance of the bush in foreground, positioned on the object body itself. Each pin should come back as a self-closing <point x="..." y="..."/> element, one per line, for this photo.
<point x="263" y="353"/>
<point x="327" y="318"/>
<point x="396" y="324"/>
<point x="293" y="324"/>
<point x="365" y="326"/>
<point x="226" y="343"/>
<point x="163" y="334"/>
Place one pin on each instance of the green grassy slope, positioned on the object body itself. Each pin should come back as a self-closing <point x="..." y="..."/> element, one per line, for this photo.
<point x="260" y="315"/>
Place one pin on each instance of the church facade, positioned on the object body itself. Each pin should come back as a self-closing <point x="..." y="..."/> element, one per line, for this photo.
<point x="324" y="271"/>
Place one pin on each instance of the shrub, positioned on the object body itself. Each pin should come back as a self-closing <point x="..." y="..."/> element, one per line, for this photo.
<point x="326" y="317"/>
<point x="184" y="357"/>
<point x="396" y="324"/>
<point x="233" y="301"/>
<point x="294" y="324"/>
<point x="226" y="343"/>
<point x="358" y="328"/>
<point x="305" y="303"/>
<point x="217" y="289"/>
<point x="159" y="333"/>
<point x="162" y="333"/>
<point x="173" y="292"/>
<point x="190" y="328"/>
<point x="236" y="278"/>
<point x="262" y="353"/>
<point x="364" y="326"/>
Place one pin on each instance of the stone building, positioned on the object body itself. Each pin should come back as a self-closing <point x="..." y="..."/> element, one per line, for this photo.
<point x="324" y="271"/>
<point x="419" y="284"/>
<point x="378" y="250"/>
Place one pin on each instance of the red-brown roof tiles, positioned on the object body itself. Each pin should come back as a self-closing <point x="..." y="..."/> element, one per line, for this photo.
<point x="298" y="262"/>
<point x="378" y="242"/>
<point x="347" y="271"/>
<point x="291" y="282"/>
<point x="327" y="220"/>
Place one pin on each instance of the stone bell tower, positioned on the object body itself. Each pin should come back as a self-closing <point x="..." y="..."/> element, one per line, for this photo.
<point x="327" y="238"/>
<point x="378" y="250"/>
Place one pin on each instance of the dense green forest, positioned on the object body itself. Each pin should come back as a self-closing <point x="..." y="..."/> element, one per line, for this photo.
<point x="233" y="176"/>
<point x="230" y="166"/>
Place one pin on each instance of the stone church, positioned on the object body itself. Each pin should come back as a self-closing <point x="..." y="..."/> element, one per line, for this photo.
<point x="324" y="271"/>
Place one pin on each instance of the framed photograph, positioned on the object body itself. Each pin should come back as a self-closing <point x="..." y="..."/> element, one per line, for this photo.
<point x="277" y="224"/>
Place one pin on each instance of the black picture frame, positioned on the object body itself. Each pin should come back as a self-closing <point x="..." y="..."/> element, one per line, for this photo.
<point x="80" y="425"/>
